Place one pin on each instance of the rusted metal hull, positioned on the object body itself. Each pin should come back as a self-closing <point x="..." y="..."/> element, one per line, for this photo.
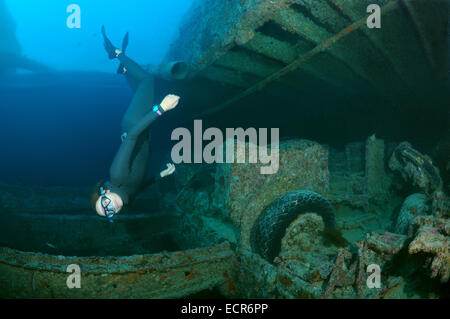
<point x="251" y="44"/>
<point x="170" y="275"/>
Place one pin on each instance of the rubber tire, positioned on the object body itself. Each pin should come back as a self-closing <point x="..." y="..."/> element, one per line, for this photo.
<point x="270" y="226"/>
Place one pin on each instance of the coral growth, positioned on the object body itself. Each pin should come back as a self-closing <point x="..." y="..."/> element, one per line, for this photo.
<point x="303" y="234"/>
<point x="341" y="274"/>
<point x="433" y="239"/>
<point x="440" y="205"/>
<point x="377" y="249"/>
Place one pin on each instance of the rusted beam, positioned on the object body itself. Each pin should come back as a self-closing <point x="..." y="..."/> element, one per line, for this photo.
<point x="299" y="24"/>
<point x="248" y="63"/>
<point x="326" y="14"/>
<point x="396" y="39"/>
<point x="357" y="49"/>
<point x="227" y="76"/>
<point x="222" y="25"/>
<point x="262" y="66"/>
<point x="286" y="53"/>
<point x="170" y="275"/>
<point x="272" y="48"/>
<point x="355" y="12"/>
<point x="324" y="46"/>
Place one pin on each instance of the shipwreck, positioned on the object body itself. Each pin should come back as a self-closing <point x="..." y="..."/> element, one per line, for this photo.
<point x="240" y="47"/>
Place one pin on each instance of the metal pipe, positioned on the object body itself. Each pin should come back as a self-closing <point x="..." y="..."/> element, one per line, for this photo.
<point x="171" y="70"/>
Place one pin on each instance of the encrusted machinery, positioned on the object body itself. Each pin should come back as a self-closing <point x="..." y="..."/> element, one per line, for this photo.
<point x="302" y="43"/>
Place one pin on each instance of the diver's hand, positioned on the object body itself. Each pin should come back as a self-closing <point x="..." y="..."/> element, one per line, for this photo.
<point x="169" y="102"/>
<point x="169" y="171"/>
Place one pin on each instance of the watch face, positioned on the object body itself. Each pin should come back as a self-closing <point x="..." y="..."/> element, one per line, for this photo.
<point x="264" y="149"/>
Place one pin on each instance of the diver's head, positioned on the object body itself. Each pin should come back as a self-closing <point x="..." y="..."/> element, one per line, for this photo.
<point x="104" y="202"/>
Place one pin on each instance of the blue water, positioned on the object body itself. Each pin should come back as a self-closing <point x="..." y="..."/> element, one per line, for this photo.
<point x="63" y="128"/>
<point x="44" y="35"/>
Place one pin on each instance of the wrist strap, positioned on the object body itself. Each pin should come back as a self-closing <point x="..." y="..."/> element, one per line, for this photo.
<point x="158" y="110"/>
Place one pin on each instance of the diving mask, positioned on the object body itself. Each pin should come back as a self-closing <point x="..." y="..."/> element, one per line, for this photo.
<point x="108" y="204"/>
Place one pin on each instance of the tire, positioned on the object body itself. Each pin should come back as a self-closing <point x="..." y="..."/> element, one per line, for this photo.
<point x="270" y="226"/>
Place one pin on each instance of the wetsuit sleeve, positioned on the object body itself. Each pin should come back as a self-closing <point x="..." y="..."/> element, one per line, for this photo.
<point x="142" y="125"/>
<point x="121" y="163"/>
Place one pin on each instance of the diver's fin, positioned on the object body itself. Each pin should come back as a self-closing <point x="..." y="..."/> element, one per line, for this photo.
<point x="110" y="49"/>
<point x="121" y="69"/>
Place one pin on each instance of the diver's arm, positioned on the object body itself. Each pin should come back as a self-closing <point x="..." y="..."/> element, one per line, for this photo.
<point x="168" y="171"/>
<point x="167" y="104"/>
<point x="164" y="173"/>
<point x="120" y="167"/>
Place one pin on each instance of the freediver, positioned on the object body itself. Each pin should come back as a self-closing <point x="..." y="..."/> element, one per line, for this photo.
<point x="128" y="171"/>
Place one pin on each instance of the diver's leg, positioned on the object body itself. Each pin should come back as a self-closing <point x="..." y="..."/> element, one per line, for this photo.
<point x="132" y="68"/>
<point x="126" y="64"/>
<point x="132" y="82"/>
